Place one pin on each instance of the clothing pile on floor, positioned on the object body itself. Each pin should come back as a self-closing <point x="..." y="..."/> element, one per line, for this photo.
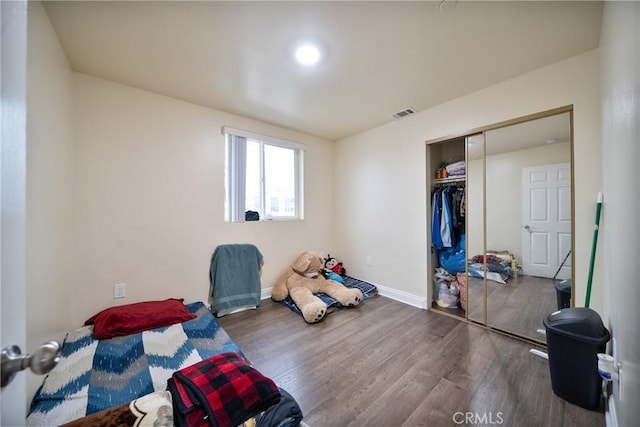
<point x="450" y="289"/>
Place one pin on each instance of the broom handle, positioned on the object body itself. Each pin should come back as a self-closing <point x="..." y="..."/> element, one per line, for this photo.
<point x="593" y="249"/>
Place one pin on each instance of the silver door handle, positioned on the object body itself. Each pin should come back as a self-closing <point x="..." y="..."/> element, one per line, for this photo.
<point x="42" y="361"/>
<point x="526" y="227"/>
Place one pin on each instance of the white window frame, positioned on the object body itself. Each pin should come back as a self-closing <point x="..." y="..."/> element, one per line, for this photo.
<point x="235" y="172"/>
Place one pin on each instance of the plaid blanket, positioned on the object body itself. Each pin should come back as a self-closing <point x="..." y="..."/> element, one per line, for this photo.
<point x="223" y="390"/>
<point x="368" y="291"/>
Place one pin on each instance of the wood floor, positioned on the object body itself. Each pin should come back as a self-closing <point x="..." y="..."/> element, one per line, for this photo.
<point x="517" y="306"/>
<point x="388" y="364"/>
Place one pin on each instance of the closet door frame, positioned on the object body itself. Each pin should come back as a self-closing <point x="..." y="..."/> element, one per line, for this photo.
<point x="434" y="156"/>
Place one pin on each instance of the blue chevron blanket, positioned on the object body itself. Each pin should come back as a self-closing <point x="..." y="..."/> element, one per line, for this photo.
<point x="94" y="375"/>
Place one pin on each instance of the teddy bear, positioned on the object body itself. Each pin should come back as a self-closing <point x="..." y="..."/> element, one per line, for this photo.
<point x="303" y="279"/>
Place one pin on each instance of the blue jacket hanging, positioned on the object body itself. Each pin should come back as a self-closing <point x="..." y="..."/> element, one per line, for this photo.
<point x="446" y="220"/>
<point x="435" y="220"/>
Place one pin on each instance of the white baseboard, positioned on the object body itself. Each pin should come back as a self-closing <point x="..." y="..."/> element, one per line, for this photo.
<point x="265" y="293"/>
<point x="403" y="297"/>
<point x="399" y="296"/>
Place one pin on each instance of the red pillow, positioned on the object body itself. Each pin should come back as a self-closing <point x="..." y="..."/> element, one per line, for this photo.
<point x="141" y="316"/>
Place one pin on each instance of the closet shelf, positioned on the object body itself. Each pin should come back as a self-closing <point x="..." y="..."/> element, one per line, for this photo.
<point x="449" y="180"/>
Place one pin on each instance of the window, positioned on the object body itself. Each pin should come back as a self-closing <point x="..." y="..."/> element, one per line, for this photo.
<point x="262" y="174"/>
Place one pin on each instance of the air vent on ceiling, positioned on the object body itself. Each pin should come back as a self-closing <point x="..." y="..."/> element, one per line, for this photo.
<point x="404" y="113"/>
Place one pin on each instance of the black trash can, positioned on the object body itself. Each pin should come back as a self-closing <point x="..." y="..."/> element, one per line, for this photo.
<point x="575" y="336"/>
<point x="563" y="294"/>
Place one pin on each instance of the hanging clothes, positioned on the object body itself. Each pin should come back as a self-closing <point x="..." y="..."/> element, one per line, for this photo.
<point x="457" y="211"/>
<point x="435" y="219"/>
<point x="446" y="220"/>
<point x="447" y="216"/>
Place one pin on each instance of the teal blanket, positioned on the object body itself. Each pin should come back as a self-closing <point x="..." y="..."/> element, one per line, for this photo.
<point x="235" y="278"/>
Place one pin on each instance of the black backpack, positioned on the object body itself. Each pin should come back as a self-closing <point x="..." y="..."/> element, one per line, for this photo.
<point x="251" y="216"/>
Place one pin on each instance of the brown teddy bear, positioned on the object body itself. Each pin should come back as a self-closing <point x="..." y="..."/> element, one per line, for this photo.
<point x="302" y="280"/>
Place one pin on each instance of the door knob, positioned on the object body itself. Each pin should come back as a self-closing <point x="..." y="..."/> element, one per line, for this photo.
<point x="43" y="360"/>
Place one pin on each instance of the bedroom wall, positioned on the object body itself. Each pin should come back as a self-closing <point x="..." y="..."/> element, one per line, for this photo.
<point x="506" y="231"/>
<point x="49" y="189"/>
<point x="620" y="44"/>
<point x="150" y="197"/>
<point x="380" y="175"/>
<point x="509" y="222"/>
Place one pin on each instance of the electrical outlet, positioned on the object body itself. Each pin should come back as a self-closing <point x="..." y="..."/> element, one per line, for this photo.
<point x="369" y="261"/>
<point x="119" y="290"/>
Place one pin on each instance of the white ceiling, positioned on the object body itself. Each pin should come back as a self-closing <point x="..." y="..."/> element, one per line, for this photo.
<point x="533" y="133"/>
<point x="381" y="57"/>
<point x="522" y="136"/>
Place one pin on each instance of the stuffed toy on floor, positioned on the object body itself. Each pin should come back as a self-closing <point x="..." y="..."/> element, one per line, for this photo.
<point x="303" y="279"/>
<point x="333" y="270"/>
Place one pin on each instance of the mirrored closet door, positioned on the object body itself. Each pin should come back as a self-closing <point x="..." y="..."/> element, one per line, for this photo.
<point x="518" y="205"/>
<point x="528" y="195"/>
<point x="475" y="208"/>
